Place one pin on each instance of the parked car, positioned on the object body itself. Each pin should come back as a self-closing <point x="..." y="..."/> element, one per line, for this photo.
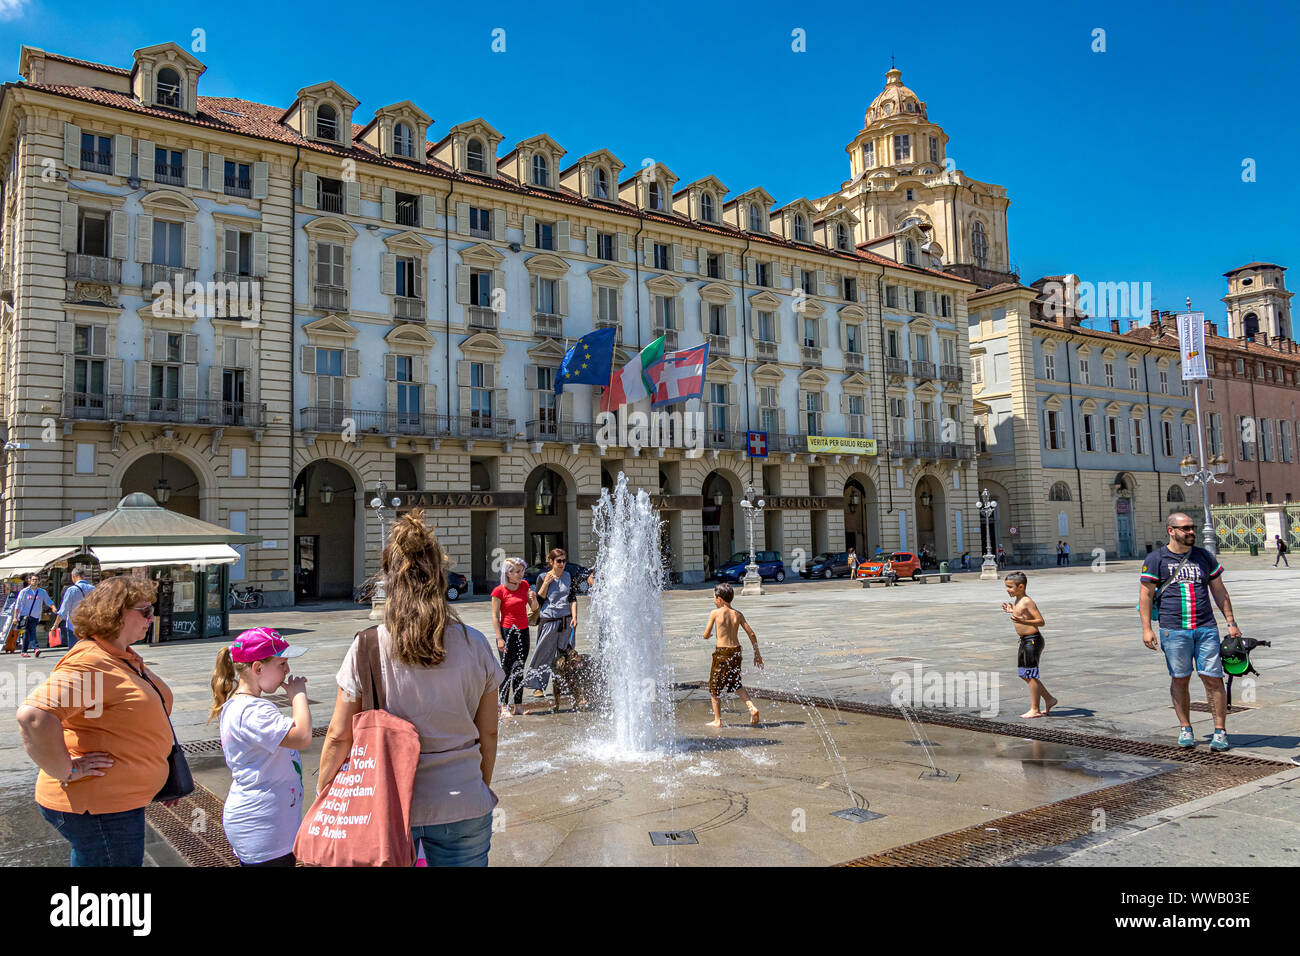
<point x="907" y="564"/>
<point x="578" y="575"/>
<point x="770" y="566"/>
<point x="828" y="564"/>
<point x="457" y="584"/>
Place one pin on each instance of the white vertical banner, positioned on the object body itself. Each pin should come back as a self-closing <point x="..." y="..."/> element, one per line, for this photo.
<point x="1191" y="345"/>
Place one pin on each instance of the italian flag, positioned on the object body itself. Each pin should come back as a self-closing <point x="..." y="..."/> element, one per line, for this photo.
<point x="632" y="382"/>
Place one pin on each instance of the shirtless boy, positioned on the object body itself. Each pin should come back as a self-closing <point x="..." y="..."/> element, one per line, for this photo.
<point x="1027" y="619"/>
<point x="724" y="676"/>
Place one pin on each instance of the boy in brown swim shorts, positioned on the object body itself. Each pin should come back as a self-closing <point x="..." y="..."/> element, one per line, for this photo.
<point x="724" y="676"/>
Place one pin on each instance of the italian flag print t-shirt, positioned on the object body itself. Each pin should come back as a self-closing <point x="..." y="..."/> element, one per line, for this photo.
<point x="1185" y="596"/>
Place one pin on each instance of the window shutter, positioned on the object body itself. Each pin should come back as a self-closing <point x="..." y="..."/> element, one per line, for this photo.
<point x="530" y="231"/>
<point x="702" y="261"/>
<point x="462" y="219"/>
<point x="98" y="340"/>
<point x="489" y="376"/>
<point x="776" y="325"/>
<point x="191" y="245"/>
<point x="71" y="146"/>
<point x="462" y="376"/>
<point x="352" y="363"/>
<point x="261" y="175"/>
<point x="141" y="377"/>
<point x="751" y="272"/>
<point x="143" y="238"/>
<point x="462" y="285"/>
<point x="418" y="282"/>
<point x="428" y="211"/>
<point x="121" y="155"/>
<point x="388" y="199"/>
<point x="390" y="394"/>
<point x="819" y="281"/>
<point x="261" y="242"/>
<point x="562" y="237"/>
<point x="194" y="169"/>
<point x="215" y="373"/>
<point x="733" y="407"/>
<point x="159" y="352"/>
<point x="844" y="403"/>
<point x="244" y="353"/>
<point x="145" y="154"/>
<point x="388" y="274"/>
<point x="390" y="367"/>
<point x="647" y="251"/>
<point x="731" y="321"/>
<point x="309" y="189"/>
<point x="189" y="381"/>
<point x="115" y="373"/>
<point x="352" y="198"/>
<point x="498" y="282"/>
<point x="705" y="308"/>
<point x="676" y="256"/>
<point x="562" y="296"/>
<point x="499" y="225"/>
<point x="67" y="226"/>
<point x="216" y="173"/>
<point x="591" y="242"/>
<point x="566" y="407"/>
<point x="190" y="349"/>
<point x="117" y="224"/>
<point x="307" y="360"/>
<point x="844" y="336"/>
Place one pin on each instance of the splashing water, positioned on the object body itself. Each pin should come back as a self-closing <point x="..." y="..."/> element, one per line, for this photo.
<point x="627" y="618"/>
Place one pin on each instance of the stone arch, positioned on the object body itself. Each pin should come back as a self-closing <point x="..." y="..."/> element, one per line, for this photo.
<point x="862" y="529"/>
<point x="209" y="487"/>
<point x="929" y="504"/>
<point x="1002" y="519"/>
<point x="329" y="541"/>
<point x="722" y="523"/>
<point x="550" y="511"/>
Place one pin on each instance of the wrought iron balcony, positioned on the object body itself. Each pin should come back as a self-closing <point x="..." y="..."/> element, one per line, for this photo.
<point x="568" y="433"/>
<point x="242" y="286"/>
<point x="325" y="418"/>
<point x="94" y="268"/>
<point x="96" y="161"/>
<point x="482" y="318"/>
<point x="931" y="450"/>
<point x="237" y="186"/>
<point x="924" y="370"/>
<point x="670" y="337"/>
<point x="615" y="324"/>
<point x="410" y="309"/>
<point x="950" y="373"/>
<point x="810" y="356"/>
<point x="124" y="407"/>
<point x="329" y="202"/>
<point x="155" y="273"/>
<point x="854" y="362"/>
<point x="895" y="366"/>
<point x="331" y="298"/>
<point x="723" y="438"/>
<point x="548" y="324"/>
<point x="718" y="344"/>
<point x="172" y="174"/>
<point x="408" y="214"/>
<point x="765" y="351"/>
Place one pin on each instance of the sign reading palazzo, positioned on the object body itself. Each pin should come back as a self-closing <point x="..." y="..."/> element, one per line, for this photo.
<point x="841" y="446"/>
<point x="458" y="499"/>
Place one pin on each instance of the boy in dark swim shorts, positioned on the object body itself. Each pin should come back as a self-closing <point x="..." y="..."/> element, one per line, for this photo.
<point x="724" y="675"/>
<point x="1027" y="619"/>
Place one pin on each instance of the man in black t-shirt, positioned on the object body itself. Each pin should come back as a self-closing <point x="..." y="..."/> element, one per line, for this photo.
<point x="1186" y="576"/>
<point x="1281" y="551"/>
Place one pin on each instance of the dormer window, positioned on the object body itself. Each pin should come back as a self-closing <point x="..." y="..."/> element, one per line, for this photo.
<point x="327" y="123"/>
<point x="601" y="188"/>
<point x="706" y="207"/>
<point x="656" y="196"/>
<point x="541" y="171"/>
<point x="909" y="251"/>
<point x="475" y="159"/>
<point x="403" y="141"/>
<point x="841" y="236"/>
<point x="169" y="88"/>
<point x="755" y="222"/>
<point x="800" y="229"/>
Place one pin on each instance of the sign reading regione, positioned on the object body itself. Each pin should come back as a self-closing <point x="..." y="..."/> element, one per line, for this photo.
<point x="756" y="443"/>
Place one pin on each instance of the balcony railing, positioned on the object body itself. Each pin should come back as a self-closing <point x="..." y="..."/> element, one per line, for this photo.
<point x="569" y="433"/>
<point x="173" y="174"/>
<point x="765" y="351"/>
<point x="482" y="318"/>
<point x="548" y="323"/>
<point x="7" y="284"/>
<point x="924" y="370"/>
<point x="410" y="309"/>
<point x="122" y="407"/>
<point x="723" y="438"/>
<point x="950" y="373"/>
<point x="854" y="362"/>
<point x="245" y="287"/>
<point x="931" y="450"/>
<point x="235" y="186"/>
<point x="383" y="422"/>
<point x="94" y="268"/>
<point x="670" y="337"/>
<point x="718" y="344"/>
<point x="810" y="356"/>
<point x="329" y="202"/>
<point x="895" y="366"/>
<point x="408" y="215"/>
<point x="615" y="324"/>
<point x="153" y="273"/>
<point x="96" y="161"/>
<point x="331" y="298"/>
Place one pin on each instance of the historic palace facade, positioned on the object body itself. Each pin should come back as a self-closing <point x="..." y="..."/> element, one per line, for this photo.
<point x="259" y="313"/>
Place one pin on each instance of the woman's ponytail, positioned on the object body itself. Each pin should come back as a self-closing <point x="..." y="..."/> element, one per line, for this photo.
<point x="224" y="681"/>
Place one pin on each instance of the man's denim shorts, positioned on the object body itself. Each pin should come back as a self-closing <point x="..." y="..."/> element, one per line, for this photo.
<point x="1200" y="644"/>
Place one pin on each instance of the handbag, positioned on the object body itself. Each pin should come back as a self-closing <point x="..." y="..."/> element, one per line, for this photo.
<point x="180" y="782"/>
<point x="363" y="818"/>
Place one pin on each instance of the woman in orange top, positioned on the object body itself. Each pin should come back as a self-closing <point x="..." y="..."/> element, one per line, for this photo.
<point x="99" y="732"/>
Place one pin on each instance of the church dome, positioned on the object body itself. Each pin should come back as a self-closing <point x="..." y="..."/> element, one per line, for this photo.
<point x="894" y="101"/>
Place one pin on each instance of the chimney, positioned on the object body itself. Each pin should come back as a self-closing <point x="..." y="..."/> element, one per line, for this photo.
<point x="1114" y="326"/>
<point x="1155" y="316"/>
<point x="1211" y="328"/>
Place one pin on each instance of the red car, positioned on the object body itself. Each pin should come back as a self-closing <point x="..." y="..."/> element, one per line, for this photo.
<point x="906" y="564"/>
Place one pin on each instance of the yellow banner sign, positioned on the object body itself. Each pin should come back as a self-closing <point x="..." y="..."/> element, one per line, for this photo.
<point x="841" y="446"/>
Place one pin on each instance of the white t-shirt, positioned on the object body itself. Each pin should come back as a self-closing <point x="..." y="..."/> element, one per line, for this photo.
<point x="264" y="807"/>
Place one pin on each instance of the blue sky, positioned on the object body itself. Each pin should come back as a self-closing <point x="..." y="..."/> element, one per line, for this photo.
<point x="1120" y="165"/>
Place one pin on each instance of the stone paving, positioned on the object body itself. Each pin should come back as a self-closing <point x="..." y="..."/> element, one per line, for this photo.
<point x="819" y="637"/>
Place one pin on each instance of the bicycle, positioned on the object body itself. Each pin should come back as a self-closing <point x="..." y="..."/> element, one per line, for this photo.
<point x="242" y="599"/>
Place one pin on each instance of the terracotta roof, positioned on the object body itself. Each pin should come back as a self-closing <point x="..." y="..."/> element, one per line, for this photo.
<point x="999" y="288"/>
<point x="102" y="67"/>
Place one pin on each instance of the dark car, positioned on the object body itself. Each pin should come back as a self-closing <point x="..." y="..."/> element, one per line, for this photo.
<point x="577" y="574"/>
<point x="828" y="564"/>
<point x="770" y="566"/>
<point x="457" y="584"/>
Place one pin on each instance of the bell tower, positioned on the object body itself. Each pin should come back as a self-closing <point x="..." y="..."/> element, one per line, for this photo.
<point x="1258" y="303"/>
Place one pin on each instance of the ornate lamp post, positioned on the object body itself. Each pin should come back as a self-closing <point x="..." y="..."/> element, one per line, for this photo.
<point x="988" y="514"/>
<point x="379" y="596"/>
<point x="753" y="508"/>
<point x="1205" y="475"/>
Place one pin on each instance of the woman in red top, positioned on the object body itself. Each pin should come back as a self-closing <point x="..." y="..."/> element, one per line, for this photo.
<point x="512" y="599"/>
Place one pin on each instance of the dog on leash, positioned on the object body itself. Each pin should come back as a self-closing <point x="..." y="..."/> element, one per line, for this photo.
<point x="579" y="676"/>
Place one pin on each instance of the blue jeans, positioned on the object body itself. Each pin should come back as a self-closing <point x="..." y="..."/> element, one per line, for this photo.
<point x="101" y="839"/>
<point x="463" y="843"/>
<point x="29" y="634"/>
<point x="1199" y="645"/>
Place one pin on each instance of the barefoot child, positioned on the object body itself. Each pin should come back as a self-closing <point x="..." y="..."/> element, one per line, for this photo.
<point x="261" y="745"/>
<point x="725" y="674"/>
<point x="1027" y="619"/>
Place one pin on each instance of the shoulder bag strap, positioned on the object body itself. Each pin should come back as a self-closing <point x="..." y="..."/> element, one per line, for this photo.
<point x="161" y="699"/>
<point x="369" y="670"/>
<point x="1164" y="584"/>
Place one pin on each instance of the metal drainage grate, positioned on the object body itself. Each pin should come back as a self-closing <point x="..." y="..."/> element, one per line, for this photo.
<point x="1201" y="707"/>
<point x="193" y="828"/>
<point x="673" y="838"/>
<point x="213" y="745"/>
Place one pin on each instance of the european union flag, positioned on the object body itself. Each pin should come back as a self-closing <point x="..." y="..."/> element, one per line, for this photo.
<point x="588" y="361"/>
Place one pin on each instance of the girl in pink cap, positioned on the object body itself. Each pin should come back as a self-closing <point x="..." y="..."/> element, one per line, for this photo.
<point x="261" y="745"/>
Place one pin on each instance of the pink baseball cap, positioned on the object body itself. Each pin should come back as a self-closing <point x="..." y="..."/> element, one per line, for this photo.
<point x="259" y="643"/>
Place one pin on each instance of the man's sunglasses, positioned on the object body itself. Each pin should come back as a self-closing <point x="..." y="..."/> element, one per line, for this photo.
<point x="1182" y="527"/>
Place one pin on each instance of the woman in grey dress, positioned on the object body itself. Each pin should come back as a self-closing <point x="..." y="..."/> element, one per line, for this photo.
<point x="558" y="616"/>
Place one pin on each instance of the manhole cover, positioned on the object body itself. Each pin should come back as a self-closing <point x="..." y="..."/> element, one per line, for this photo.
<point x="672" y="838"/>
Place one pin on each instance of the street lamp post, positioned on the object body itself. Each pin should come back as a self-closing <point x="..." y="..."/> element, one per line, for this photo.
<point x="988" y="514"/>
<point x="379" y="596"/>
<point x="753" y="507"/>
<point x="1206" y="474"/>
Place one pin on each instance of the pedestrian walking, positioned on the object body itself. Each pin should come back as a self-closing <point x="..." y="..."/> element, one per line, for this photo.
<point x="1060" y="554"/>
<point x="1177" y="582"/>
<point x="558" y="617"/>
<point x="1002" y="557"/>
<point x="1027" y="619"/>
<point x="443" y="678"/>
<point x="261" y="745"/>
<point x="512" y="601"/>
<point x="1282" y="549"/>
<point x="1066" y="547"/>
<point x="32" y="602"/>
<point x="853" y="564"/>
<point x="72" y="598"/>
<point x="98" y="728"/>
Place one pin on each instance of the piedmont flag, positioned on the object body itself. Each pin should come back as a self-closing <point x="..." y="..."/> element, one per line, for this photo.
<point x="680" y="375"/>
<point x="588" y="361"/>
<point x="632" y="382"/>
